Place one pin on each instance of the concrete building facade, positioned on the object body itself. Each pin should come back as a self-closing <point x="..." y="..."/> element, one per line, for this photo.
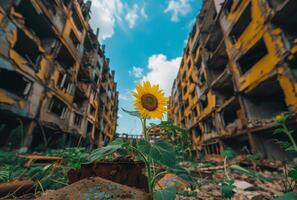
<point x="56" y="85"/>
<point x="238" y="72"/>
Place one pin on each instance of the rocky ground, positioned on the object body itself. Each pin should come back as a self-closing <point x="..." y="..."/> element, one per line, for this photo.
<point x="124" y="179"/>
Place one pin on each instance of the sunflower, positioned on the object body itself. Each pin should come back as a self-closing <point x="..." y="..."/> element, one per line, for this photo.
<point x="150" y="101"/>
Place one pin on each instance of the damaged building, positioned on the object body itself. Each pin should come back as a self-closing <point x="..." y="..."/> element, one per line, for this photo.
<point x="237" y="73"/>
<point x="56" y="85"/>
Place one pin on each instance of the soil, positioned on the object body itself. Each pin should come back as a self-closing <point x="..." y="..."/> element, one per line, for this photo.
<point x="95" y="189"/>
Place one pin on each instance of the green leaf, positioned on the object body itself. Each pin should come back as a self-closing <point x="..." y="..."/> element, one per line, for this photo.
<point x="75" y="166"/>
<point x="132" y="113"/>
<point x="287" y="146"/>
<point x="293" y="173"/>
<point x="161" y="152"/>
<point x="288" y="196"/>
<point x="101" y="153"/>
<point x="182" y="173"/>
<point x="287" y="117"/>
<point x="166" y="194"/>
<point x="278" y="130"/>
<point x="227" y="187"/>
<point x="4" y="176"/>
<point x="253" y="174"/>
<point x="290" y="148"/>
<point x="229" y="153"/>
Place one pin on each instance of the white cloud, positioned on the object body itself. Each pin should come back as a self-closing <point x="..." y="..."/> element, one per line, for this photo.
<point x="178" y="8"/>
<point x="162" y="71"/>
<point x="132" y="16"/>
<point x="136" y="72"/>
<point x="105" y="14"/>
<point x="143" y="13"/>
<point x="124" y="97"/>
<point x="120" y="115"/>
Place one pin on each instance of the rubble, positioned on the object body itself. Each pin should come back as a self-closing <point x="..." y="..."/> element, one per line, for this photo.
<point x="16" y="187"/>
<point x="43" y="159"/>
<point x="95" y="188"/>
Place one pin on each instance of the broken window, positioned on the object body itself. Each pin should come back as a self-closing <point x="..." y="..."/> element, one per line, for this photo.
<point x="209" y="125"/>
<point x="96" y="78"/>
<point x="57" y="107"/>
<point x="182" y="108"/>
<point x="230" y="113"/>
<point x="293" y="66"/>
<point x="241" y="24"/>
<point x="194" y="112"/>
<point x="74" y="39"/>
<point x="185" y="90"/>
<point x="203" y="102"/>
<point x="186" y="103"/>
<point x="79" y="98"/>
<point x="252" y="56"/>
<point x="96" y="135"/>
<point x="214" y="73"/>
<point x="215" y="39"/>
<point x="202" y="79"/>
<point x="239" y="144"/>
<point x="193" y="33"/>
<point x="191" y="79"/>
<point x="14" y="83"/>
<point x="184" y="76"/>
<point x="35" y="20"/>
<point x="225" y="93"/>
<point x="189" y="64"/>
<point x="285" y="16"/>
<point x="65" y="58"/>
<point x="183" y="123"/>
<point x="64" y="82"/>
<point x="78" y="119"/>
<point x="196" y="131"/>
<point x="228" y="6"/>
<point x="193" y="94"/>
<point x="32" y="55"/>
<point x="217" y="62"/>
<point x="212" y="149"/>
<point x="198" y="64"/>
<point x="263" y="103"/>
<point x="89" y="128"/>
<point x="76" y="19"/>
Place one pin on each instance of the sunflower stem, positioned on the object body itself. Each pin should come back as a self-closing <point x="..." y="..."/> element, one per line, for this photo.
<point x="148" y="166"/>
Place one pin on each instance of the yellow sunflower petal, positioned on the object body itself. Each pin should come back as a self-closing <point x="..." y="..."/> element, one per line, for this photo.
<point x="150" y="100"/>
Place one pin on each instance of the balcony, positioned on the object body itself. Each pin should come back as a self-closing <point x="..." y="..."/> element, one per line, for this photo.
<point x="32" y="57"/>
<point x="257" y="63"/>
<point x="36" y="20"/>
<point x="262" y="105"/>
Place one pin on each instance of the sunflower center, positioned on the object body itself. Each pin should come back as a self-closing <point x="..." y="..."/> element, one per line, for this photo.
<point x="149" y="102"/>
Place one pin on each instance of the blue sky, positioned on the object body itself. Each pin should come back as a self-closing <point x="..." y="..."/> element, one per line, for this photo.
<point x="144" y="40"/>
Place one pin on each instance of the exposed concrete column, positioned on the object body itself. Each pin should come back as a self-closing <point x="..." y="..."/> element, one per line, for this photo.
<point x="252" y="142"/>
<point x="28" y="137"/>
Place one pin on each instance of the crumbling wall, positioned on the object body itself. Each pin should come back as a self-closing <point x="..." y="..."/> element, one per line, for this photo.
<point x="244" y="56"/>
<point x="48" y="56"/>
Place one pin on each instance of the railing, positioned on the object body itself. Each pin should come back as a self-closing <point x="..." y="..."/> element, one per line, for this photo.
<point x="126" y="136"/>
